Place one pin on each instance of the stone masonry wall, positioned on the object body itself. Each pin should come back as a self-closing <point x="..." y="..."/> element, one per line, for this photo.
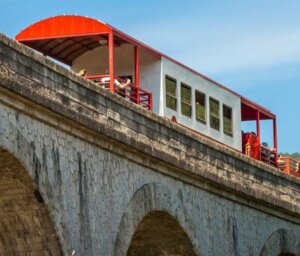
<point x="102" y="164"/>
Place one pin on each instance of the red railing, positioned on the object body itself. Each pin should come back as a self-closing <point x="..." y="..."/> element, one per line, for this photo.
<point x="145" y="99"/>
<point x="134" y="94"/>
<point x="253" y="149"/>
<point x="288" y="165"/>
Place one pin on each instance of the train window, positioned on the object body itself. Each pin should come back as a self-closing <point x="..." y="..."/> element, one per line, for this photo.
<point x="200" y="107"/>
<point x="186" y="100"/>
<point x="171" y="97"/>
<point x="214" y="115"/>
<point x="227" y="120"/>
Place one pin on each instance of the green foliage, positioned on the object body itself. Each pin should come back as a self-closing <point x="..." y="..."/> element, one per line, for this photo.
<point x="295" y="155"/>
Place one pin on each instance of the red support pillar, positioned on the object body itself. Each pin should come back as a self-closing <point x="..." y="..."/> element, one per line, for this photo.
<point x="111" y="61"/>
<point x="258" y="125"/>
<point x="275" y="133"/>
<point x="258" y="132"/>
<point x="136" y="73"/>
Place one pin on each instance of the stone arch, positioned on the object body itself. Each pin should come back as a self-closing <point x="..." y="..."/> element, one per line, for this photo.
<point x="151" y="203"/>
<point x="282" y="242"/>
<point x="25" y="224"/>
<point x="160" y="234"/>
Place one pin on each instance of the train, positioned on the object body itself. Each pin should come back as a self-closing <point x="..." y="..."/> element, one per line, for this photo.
<point x="146" y="77"/>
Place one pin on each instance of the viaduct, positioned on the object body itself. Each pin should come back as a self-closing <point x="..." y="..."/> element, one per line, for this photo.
<point x="85" y="172"/>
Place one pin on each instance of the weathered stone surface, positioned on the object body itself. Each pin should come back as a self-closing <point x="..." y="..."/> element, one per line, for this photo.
<point x="25" y="225"/>
<point x="103" y="165"/>
<point x="160" y="234"/>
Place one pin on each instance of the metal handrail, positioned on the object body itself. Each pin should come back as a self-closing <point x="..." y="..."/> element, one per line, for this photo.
<point x="134" y="94"/>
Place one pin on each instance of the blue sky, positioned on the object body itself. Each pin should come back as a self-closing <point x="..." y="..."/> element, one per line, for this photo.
<point x="252" y="47"/>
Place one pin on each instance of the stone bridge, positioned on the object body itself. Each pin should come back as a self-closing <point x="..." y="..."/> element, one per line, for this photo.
<point x="85" y="172"/>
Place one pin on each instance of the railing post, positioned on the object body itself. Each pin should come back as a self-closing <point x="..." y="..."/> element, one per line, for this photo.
<point x="137" y="74"/>
<point x="150" y="102"/>
<point x="275" y="141"/>
<point x="288" y="165"/>
<point x="111" y="61"/>
<point x="275" y="133"/>
<point x="258" y="130"/>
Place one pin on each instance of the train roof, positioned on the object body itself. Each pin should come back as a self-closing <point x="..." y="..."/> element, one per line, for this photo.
<point x="66" y="37"/>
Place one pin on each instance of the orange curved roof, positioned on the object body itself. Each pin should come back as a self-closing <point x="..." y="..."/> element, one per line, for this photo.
<point x="64" y="37"/>
<point x="63" y="26"/>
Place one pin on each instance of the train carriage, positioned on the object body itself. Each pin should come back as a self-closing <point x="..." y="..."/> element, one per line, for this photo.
<point x="157" y="82"/>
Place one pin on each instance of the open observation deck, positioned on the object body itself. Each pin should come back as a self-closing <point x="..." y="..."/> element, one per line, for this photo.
<point x="67" y="37"/>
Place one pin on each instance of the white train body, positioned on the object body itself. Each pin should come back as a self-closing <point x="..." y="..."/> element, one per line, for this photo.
<point x="153" y="74"/>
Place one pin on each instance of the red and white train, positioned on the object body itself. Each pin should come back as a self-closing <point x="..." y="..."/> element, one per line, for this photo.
<point x="157" y="83"/>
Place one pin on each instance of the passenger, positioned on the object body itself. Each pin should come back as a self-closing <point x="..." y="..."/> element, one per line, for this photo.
<point x="265" y="153"/>
<point x="117" y="83"/>
<point x="82" y="72"/>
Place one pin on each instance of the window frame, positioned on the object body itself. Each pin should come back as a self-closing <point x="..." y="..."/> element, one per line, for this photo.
<point x="170" y="95"/>
<point x="231" y="119"/>
<point x="182" y="102"/>
<point x="210" y="114"/>
<point x="203" y="121"/>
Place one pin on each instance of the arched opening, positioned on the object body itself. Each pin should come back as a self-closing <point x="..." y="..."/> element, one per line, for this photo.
<point x="160" y="234"/>
<point x="25" y="225"/>
<point x="282" y="242"/>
